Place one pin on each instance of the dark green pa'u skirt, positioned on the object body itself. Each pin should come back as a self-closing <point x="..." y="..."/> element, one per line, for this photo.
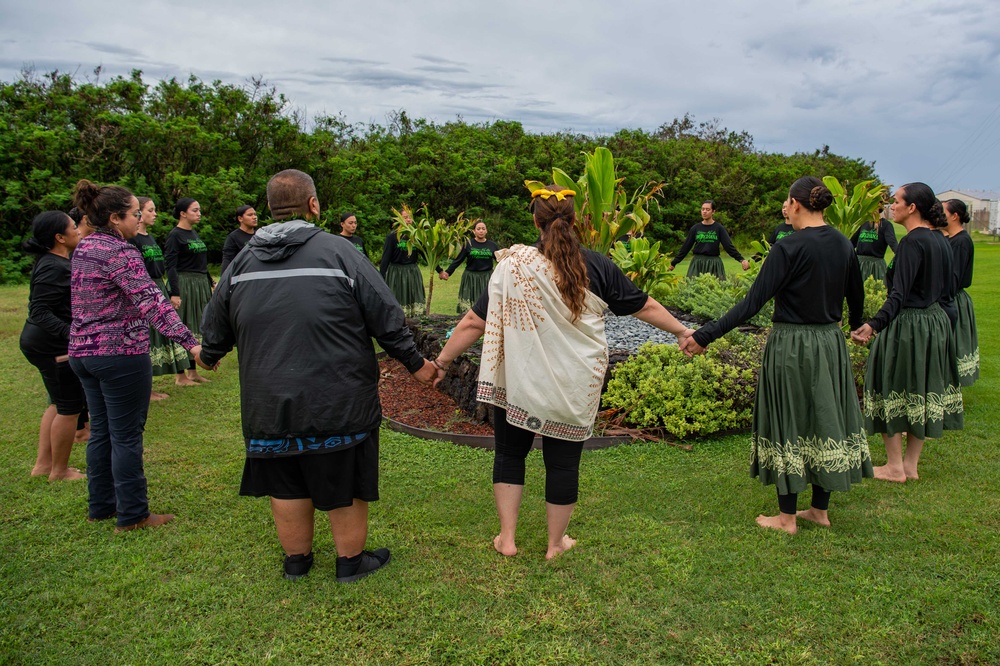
<point x="473" y="284"/>
<point x="167" y="356"/>
<point x="407" y="284"/>
<point x="701" y="263"/>
<point x="912" y="384"/>
<point x="196" y="292"/>
<point x="807" y="425"/>
<point x="872" y="267"/>
<point x="966" y="340"/>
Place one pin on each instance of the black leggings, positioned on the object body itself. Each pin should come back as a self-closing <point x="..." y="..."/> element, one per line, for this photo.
<point x="562" y="460"/>
<point x="789" y="503"/>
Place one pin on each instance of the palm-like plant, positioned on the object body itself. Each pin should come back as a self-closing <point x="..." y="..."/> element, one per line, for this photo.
<point x="847" y="214"/>
<point x="642" y="262"/>
<point x="604" y="212"/>
<point x="437" y="240"/>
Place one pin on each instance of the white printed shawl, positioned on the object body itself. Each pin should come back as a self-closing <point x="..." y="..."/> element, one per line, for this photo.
<point x="544" y="369"/>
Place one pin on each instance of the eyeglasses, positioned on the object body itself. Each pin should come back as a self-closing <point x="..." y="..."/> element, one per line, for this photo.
<point x="138" y="214"/>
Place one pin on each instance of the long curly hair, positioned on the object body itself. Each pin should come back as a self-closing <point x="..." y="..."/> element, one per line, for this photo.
<point x="560" y="244"/>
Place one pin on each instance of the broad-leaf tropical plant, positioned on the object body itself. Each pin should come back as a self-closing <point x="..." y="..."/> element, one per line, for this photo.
<point x="437" y="240"/>
<point x="642" y="262"/>
<point x="848" y="213"/>
<point x="604" y="212"/>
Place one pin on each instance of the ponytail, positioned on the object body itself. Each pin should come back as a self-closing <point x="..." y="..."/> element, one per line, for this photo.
<point x="560" y="244"/>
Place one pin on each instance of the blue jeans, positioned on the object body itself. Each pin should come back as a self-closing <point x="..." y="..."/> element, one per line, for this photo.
<point x="117" y="389"/>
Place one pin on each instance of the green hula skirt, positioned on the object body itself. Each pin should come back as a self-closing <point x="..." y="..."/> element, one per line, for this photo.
<point x="966" y="340"/>
<point x="807" y="425"/>
<point x="473" y="284"/>
<point x="912" y="384"/>
<point x="196" y="292"/>
<point x="872" y="267"/>
<point x="407" y="284"/>
<point x="167" y="356"/>
<point x="701" y="263"/>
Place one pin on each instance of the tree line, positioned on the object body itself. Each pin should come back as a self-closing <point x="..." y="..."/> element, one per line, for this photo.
<point x="220" y="143"/>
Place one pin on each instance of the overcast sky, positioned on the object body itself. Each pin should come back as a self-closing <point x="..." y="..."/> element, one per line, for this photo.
<point x="913" y="86"/>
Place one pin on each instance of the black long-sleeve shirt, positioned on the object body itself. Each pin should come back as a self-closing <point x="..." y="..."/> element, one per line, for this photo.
<point x="920" y="275"/>
<point x="183" y="251"/>
<point x="394" y="252"/>
<point x="780" y="231"/>
<point x="809" y="274"/>
<point x="359" y="243"/>
<point x="479" y="257"/>
<point x="46" y="331"/>
<point x="963" y="252"/>
<point x="152" y="255"/>
<point x="705" y="239"/>
<point x="235" y="242"/>
<point x="871" y="242"/>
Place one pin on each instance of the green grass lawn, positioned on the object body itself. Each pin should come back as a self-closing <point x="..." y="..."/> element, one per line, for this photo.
<point x="669" y="568"/>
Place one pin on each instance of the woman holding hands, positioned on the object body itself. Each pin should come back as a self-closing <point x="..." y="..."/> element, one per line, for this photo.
<point x="544" y="358"/>
<point x="807" y="427"/>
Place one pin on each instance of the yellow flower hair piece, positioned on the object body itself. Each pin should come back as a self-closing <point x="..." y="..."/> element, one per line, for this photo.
<point x="545" y="194"/>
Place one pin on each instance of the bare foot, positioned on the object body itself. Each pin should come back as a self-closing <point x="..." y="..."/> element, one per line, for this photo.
<point x="503" y="549"/>
<point x="40" y="471"/>
<point x="193" y="374"/>
<point x="814" y="516"/>
<point x="181" y="380"/>
<point x="563" y="546"/>
<point x="778" y="523"/>
<point x="911" y="474"/>
<point x="884" y="473"/>
<point x="71" y="474"/>
<point x="82" y="435"/>
<point x="156" y="395"/>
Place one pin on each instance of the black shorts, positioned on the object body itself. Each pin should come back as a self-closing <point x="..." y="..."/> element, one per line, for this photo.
<point x="64" y="387"/>
<point x="331" y="480"/>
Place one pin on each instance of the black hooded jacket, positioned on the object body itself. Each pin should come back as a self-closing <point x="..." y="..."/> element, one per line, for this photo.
<point x="303" y="306"/>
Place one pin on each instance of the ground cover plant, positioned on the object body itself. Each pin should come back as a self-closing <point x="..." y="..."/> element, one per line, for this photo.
<point x="670" y="567"/>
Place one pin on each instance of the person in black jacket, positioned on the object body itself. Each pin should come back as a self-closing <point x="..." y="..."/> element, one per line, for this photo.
<point x="45" y="341"/>
<point x="303" y="306"/>
<point x="246" y="217"/>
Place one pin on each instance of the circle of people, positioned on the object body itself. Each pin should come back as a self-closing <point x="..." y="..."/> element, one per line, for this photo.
<point x="108" y="310"/>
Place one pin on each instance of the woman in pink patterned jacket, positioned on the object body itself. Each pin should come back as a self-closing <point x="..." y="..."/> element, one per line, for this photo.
<point x="114" y="301"/>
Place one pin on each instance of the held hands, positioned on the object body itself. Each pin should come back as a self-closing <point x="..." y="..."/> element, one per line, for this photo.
<point x="196" y="352"/>
<point x="862" y="335"/>
<point x="427" y="374"/>
<point x="176" y="302"/>
<point x="746" y="265"/>
<point x="686" y="343"/>
<point x="671" y="267"/>
<point x="444" y="275"/>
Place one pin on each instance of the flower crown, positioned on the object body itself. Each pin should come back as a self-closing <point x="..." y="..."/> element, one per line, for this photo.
<point x="545" y="194"/>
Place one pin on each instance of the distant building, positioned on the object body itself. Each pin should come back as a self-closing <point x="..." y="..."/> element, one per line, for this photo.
<point x="983" y="208"/>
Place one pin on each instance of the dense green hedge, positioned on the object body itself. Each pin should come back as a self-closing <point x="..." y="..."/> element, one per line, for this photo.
<point x="220" y="143"/>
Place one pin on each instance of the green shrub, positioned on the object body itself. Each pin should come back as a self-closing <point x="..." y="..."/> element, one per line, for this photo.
<point x="875" y="295"/>
<point x="659" y="387"/>
<point x="708" y="297"/>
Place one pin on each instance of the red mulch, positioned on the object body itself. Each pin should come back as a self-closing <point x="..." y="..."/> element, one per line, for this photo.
<point x="406" y="400"/>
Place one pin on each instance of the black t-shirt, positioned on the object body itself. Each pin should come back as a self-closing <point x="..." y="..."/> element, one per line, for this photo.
<point x="46" y="331"/>
<point x="780" y="231"/>
<point x="478" y="255"/>
<point x="151" y="253"/>
<point x="183" y="252"/>
<point x="963" y="252"/>
<point x="606" y="280"/>
<point x="920" y="275"/>
<point x="705" y="240"/>
<point x="359" y="244"/>
<point x="235" y="241"/>
<point x="809" y="274"/>
<point x="394" y="252"/>
<point x="872" y="242"/>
